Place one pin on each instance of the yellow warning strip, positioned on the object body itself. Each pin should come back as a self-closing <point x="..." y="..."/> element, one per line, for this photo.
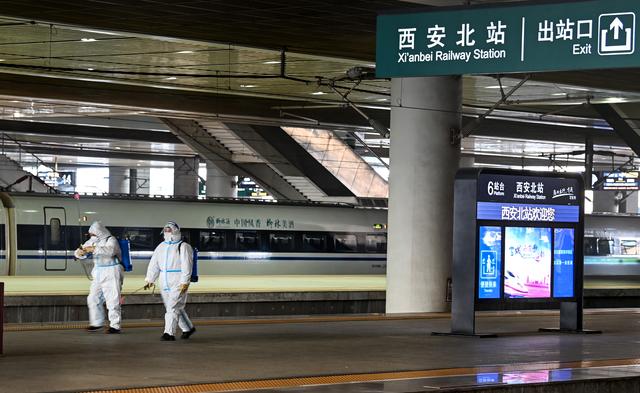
<point x="351" y="378"/>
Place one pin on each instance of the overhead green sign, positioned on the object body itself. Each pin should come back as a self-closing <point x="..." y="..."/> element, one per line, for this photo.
<point x="516" y="38"/>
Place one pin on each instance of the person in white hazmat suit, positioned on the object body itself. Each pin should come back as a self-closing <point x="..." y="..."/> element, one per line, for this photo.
<point x="172" y="261"/>
<point x="107" y="274"/>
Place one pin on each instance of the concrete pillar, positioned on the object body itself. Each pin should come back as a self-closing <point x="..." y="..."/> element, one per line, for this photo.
<point x="423" y="166"/>
<point x="118" y="180"/>
<point x="219" y="184"/>
<point x="630" y="203"/>
<point x="185" y="177"/>
<point x="605" y="201"/>
<point x="139" y="181"/>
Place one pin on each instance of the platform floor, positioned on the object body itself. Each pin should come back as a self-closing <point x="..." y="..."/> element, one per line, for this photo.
<point x="79" y="285"/>
<point x="229" y="351"/>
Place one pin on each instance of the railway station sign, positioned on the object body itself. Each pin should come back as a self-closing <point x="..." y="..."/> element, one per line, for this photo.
<point x="554" y="36"/>
<point x="621" y="181"/>
<point x="517" y="243"/>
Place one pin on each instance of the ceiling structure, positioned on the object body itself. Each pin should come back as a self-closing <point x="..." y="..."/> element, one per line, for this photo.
<point x="123" y="64"/>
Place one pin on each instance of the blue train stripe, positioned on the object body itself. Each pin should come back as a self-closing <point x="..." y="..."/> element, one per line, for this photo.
<point x="237" y="258"/>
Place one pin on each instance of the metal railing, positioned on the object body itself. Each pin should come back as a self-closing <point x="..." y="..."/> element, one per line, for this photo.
<point x="15" y="151"/>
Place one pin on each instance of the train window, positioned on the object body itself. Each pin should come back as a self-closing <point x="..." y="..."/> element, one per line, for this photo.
<point x="186" y="235"/>
<point x="281" y="242"/>
<point x="629" y="246"/>
<point x="212" y="241"/>
<point x="590" y="245"/>
<point x="605" y="246"/>
<point x="345" y="243"/>
<point x="247" y="241"/>
<point x="314" y="242"/>
<point x="55" y="235"/>
<point x="376" y="243"/>
<point x="139" y="239"/>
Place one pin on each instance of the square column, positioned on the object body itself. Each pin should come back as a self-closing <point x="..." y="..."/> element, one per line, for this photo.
<point x="185" y="177"/>
<point x="424" y="111"/>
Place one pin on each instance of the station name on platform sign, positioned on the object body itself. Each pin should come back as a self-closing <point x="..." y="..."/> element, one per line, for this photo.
<point x="527" y="198"/>
<point x="520" y="189"/>
<point x="515" y="38"/>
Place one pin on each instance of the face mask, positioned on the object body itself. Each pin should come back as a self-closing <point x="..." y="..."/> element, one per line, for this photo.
<point x="167" y="236"/>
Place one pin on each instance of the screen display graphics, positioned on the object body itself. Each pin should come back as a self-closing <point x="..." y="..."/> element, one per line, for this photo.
<point x="563" y="246"/>
<point x="490" y="262"/>
<point x="527" y="259"/>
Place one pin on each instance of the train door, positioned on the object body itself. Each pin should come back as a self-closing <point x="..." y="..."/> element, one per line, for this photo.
<point x="55" y="239"/>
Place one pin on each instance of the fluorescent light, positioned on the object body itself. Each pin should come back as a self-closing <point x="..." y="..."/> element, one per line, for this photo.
<point x="248" y="86"/>
<point x="117" y="147"/>
<point x="171" y="78"/>
<point x="272" y="62"/>
<point x="494" y="87"/>
<point x="318" y="93"/>
<point x="89" y="69"/>
<point x="1" y="59"/>
<point x="559" y="94"/>
<point x="185" y="51"/>
<point x="87" y="39"/>
<point x="615" y="100"/>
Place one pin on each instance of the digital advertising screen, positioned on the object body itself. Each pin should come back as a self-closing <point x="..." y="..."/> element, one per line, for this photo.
<point x="563" y="262"/>
<point x="490" y="260"/>
<point x="527" y="262"/>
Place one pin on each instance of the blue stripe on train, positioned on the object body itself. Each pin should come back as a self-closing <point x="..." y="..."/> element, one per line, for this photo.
<point x="236" y="258"/>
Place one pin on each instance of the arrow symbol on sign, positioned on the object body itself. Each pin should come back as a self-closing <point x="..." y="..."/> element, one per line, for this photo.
<point x="617" y="27"/>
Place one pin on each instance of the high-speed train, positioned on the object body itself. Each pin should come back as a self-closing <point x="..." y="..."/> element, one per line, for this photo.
<point x="39" y="232"/>
<point x="612" y="245"/>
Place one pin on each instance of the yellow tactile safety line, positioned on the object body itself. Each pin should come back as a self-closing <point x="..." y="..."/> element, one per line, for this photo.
<point x="351" y="378"/>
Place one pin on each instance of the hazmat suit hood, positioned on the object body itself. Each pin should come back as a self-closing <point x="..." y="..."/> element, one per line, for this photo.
<point x="99" y="230"/>
<point x="175" y="231"/>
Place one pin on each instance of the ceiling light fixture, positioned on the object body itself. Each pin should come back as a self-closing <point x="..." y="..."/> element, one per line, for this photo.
<point x="87" y="39"/>
<point x="248" y="86"/>
<point x="171" y="78"/>
<point x="185" y="51"/>
<point x="559" y="94"/>
<point x="493" y="87"/>
<point x="272" y="62"/>
<point x="318" y="93"/>
<point x="615" y="100"/>
<point x="89" y="69"/>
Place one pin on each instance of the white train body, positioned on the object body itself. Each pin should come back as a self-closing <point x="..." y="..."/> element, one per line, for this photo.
<point x="41" y="232"/>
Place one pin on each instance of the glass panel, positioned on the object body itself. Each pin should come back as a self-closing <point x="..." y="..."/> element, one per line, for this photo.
<point x="55" y="235"/>
<point x="140" y="239"/>
<point x="376" y="243"/>
<point x="314" y="242"/>
<point x="345" y="243"/>
<point x="281" y="242"/>
<point x="490" y="260"/>
<point x="212" y="241"/>
<point x="247" y="241"/>
<point x="563" y="262"/>
<point x="527" y="258"/>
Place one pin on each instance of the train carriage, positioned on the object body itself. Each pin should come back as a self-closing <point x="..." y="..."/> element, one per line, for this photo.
<point x="233" y="237"/>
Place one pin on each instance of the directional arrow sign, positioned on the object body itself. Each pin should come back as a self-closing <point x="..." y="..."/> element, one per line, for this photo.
<point x="617" y="27"/>
<point x="554" y="36"/>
